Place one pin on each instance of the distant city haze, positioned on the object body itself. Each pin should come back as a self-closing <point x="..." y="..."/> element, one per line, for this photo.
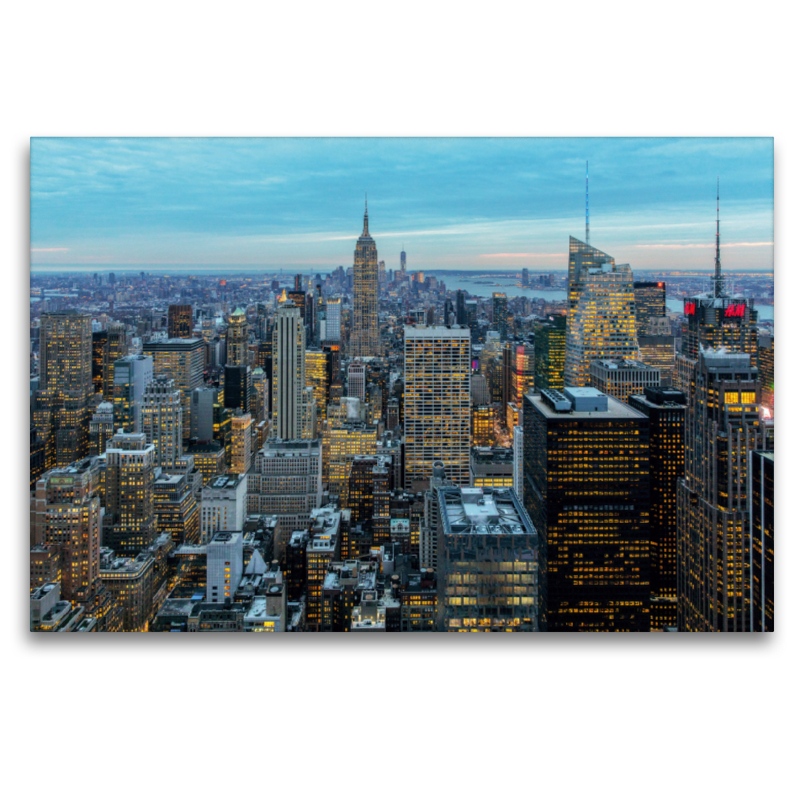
<point x="482" y="204"/>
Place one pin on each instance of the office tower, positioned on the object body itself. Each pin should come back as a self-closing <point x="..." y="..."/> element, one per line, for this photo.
<point x="357" y="380"/>
<point x="308" y="414"/>
<point x="176" y="509"/>
<point x="449" y="312"/>
<point x="238" y="384"/>
<point x="288" y="372"/>
<point x="259" y="395"/>
<point x="225" y="565"/>
<point x="322" y="549"/>
<point x="223" y="505"/>
<point x="129" y="525"/>
<point x="621" y="378"/>
<point x="237" y="339"/>
<point x="333" y="322"/>
<point x="651" y="302"/>
<point x="204" y="399"/>
<point x="482" y="426"/>
<point x="525" y="276"/>
<point x="241" y="443"/>
<point x="286" y="480"/>
<point x="341" y="443"/>
<point x="657" y="348"/>
<point x="550" y="353"/>
<point x="761" y="509"/>
<point x="766" y="369"/>
<point x="319" y="373"/>
<point x="209" y="459"/>
<point x="381" y="273"/>
<point x="118" y="345"/>
<point x="45" y="565"/>
<point x="461" y="307"/>
<point x="522" y="372"/>
<point x="61" y="403"/>
<point x="403" y="262"/>
<point x="101" y="428"/>
<point x="182" y="360"/>
<point x="99" y="350"/>
<point x="162" y="421"/>
<point x="487" y="562"/>
<point x="437" y="402"/>
<point x="601" y="321"/>
<point x="491" y="467"/>
<point x="666" y="410"/>
<point x="131" y="376"/>
<point x="587" y="490"/>
<point x="500" y="314"/>
<point x="519" y="478"/>
<point x="364" y="339"/>
<point x="180" y="323"/>
<point x="130" y="582"/>
<point x="712" y="320"/>
<point x="471" y="311"/>
<point x="66" y="515"/>
<point x="723" y="426"/>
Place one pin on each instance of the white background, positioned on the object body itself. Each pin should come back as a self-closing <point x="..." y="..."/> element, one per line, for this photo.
<point x="654" y="716"/>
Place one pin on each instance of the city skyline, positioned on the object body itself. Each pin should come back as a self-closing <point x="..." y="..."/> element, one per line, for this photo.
<point x="482" y="204"/>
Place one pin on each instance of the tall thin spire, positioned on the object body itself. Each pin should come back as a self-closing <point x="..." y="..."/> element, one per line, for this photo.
<point x="718" y="279"/>
<point x="365" y="232"/>
<point x="587" y="202"/>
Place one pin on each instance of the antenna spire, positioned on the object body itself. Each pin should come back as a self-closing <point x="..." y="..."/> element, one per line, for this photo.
<point x="587" y="202"/>
<point x="718" y="279"/>
<point x="365" y="232"/>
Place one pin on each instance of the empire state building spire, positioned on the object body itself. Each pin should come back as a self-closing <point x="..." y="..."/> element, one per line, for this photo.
<point x="365" y="232"/>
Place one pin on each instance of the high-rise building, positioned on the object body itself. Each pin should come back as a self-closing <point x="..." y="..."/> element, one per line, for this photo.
<point x="223" y="505"/>
<point x="224" y="566"/>
<point x="66" y="514"/>
<point x="342" y="442"/>
<point x="500" y="314"/>
<point x="766" y="369"/>
<point x="99" y="350"/>
<point x="183" y="360"/>
<point x="237" y="339"/>
<point x="204" y="398"/>
<point x="651" y="301"/>
<point x="176" y="509"/>
<point x="761" y="508"/>
<point x="657" y="348"/>
<point x="523" y="364"/>
<point x="357" y="380"/>
<point x="587" y="490"/>
<point x="131" y="375"/>
<point x="723" y="425"/>
<point x="519" y="476"/>
<point x="550" y="352"/>
<point x="712" y="320"/>
<point x="61" y="405"/>
<point x="601" y="321"/>
<point x="621" y="378"/>
<point x="180" y="322"/>
<point x="238" y="386"/>
<point x="403" y="262"/>
<point x="241" y="443"/>
<point x="118" y="345"/>
<point x="461" y="307"/>
<point x="666" y="410"/>
<point x="129" y="524"/>
<point x="471" y="311"/>
<point x="319" y="374"/>
<point x="364" y="339"/>
<point x="437" y="403"/>
<point x="101" y="428"/>
<point x="288" y="372"/>
<point x="162" y="422"/>
<point x="491" y="467"/>
<point x="487" y="562"/>
<point x="333" y="322"/>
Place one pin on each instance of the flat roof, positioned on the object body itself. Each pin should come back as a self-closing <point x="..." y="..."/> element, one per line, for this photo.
<point x="616" y="409"/>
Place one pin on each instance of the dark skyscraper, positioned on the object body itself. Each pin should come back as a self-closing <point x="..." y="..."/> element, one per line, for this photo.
<point x="180" y="322"/>
<point x="587" y="490"/>
<point x="761" y="498"/>
<point x="461" y="311"/>
<point x="364" y="341"/>
<point x="651" y="301"/>
<point x="550" y="348"/>
<point x="500" y="314"/>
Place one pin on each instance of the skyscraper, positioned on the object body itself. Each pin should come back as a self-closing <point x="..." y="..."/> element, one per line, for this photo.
<point x="183" y="361"/>
<point x="241" y="443"/>
<point x="162" y="422"/>
<point x="500" y="314"/>
<point x="550" y="350"/>
<point x="621" y="378"/>
<point x="237" y="339"/>
<point x="130" y="476"/>
<point x="587" y="491"/>
<point x="288" y="372"/>
<point x="761" y="501"/>
<point x="601" y="320"/>
<point x="61" y="408"/>
<point x="461" y="309"/>
<point x="364" y="340"/>
<point x="437" y="403"/>
<point x="180" y="322"/>
<point x="651" y="301"/>
<point x="666" y="410"/>
<point x="118" y="346"/>
<point x="131" y="375"/>
<point x="723" y="426"/>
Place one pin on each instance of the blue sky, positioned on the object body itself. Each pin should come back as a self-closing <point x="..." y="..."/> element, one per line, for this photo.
<point x="454" y="203"/>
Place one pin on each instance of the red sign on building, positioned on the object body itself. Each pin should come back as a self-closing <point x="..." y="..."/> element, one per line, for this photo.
<point x="688" y="309"/>
<point x="735" y="310"/>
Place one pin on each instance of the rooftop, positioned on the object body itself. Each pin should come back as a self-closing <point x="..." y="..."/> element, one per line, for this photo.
<point x="482" y="511"/>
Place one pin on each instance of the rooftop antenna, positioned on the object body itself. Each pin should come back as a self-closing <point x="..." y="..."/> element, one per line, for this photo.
<point x="718" y="280"/>
<point x="587" y="202"/>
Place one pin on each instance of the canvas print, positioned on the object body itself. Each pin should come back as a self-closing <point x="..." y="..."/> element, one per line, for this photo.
<point x="400" y="385"/>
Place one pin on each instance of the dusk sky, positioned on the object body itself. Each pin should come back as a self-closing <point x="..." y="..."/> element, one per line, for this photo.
<point x="454" y="203"/>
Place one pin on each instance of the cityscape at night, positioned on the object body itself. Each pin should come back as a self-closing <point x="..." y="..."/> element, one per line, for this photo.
<point x="402" y="385"/>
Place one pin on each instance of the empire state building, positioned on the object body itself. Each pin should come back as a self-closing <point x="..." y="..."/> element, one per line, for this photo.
<point x="364" y="341"/>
